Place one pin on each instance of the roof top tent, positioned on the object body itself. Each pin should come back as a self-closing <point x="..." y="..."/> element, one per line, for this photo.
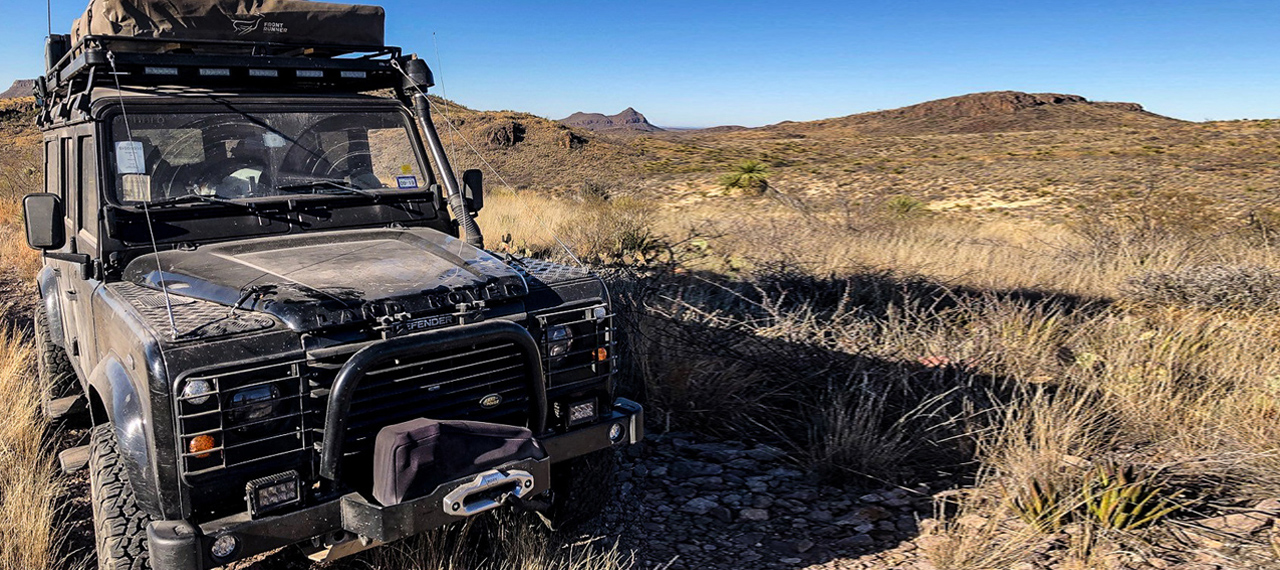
<point x="253" y="44"/>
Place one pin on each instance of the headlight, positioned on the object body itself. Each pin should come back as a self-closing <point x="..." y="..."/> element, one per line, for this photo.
<point x="254" y="403"/>
<point x="559" y="337"/>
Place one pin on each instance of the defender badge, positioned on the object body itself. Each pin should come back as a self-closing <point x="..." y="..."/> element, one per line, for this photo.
<point x="490" y="401"/>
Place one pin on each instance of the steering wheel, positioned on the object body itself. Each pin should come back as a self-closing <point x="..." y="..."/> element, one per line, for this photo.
<point x="214" y="174"/>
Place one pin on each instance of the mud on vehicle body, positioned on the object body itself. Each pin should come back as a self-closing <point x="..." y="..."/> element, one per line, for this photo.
<point x="256" y="275"/>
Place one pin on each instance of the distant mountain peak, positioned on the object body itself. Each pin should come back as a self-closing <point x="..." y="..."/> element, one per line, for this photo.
<point x="627" y="120"/>
<point x="20" y="88"/>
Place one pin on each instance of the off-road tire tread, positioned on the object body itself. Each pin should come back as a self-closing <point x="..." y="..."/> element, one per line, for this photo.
<point x="582" y="488"/>
<point x="56" y="376"/>
<point x="120" y="525"/>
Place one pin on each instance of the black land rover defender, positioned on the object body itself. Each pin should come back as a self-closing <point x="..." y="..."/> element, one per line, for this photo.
<point x="267" y="291"/>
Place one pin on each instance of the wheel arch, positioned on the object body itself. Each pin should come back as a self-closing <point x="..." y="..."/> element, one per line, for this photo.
<point x="47" y="283"/>
<point x="114" y="398"/>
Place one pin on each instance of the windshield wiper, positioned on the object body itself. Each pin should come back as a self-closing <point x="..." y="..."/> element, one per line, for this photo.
<point x="185" y="198"/>
<point x="315" y="186"/>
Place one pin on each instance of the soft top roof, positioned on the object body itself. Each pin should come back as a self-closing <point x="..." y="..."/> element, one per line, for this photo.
<point x="294" y="22"/>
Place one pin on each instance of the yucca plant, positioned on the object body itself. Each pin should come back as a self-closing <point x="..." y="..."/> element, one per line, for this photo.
<point x="751" y="176"/>
<point x="1123" y="497"/>
<point x="904" y="206"/>
<point x="1040" y="504"/>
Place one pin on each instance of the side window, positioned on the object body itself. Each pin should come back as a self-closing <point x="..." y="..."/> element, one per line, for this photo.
<point x="69" y="177"/>
<point x="88" y="185"/>
<point x="51" y="168"/>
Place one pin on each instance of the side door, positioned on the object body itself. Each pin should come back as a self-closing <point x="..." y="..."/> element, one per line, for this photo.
<point x="87" y="216"/>
<point x="62" y="165"/>
<point x="55" y="183"/>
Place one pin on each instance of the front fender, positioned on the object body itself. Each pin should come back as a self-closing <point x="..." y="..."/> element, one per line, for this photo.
<point x="47" y="281"/>
<point x="130" y="416"/>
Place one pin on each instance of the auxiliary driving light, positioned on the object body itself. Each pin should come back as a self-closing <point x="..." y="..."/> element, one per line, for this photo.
<point x="616" y="432"/>
<point x="201" y="444"/>
<point x="582" y="412"/>
<point x="270" y="493"/>
<point x="224" y="546"/>
<point x="197" y="391"/>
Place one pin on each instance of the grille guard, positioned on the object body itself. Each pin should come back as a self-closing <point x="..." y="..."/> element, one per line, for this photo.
<point x="351" y="374"/>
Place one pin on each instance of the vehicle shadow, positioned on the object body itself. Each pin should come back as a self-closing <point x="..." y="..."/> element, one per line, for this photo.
<point x="863" y="442"/>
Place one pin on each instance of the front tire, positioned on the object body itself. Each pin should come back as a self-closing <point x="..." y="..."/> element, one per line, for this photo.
<point x="119" y="524"/>
<point x="581" y="488"/>
<point x="53" y="367"/>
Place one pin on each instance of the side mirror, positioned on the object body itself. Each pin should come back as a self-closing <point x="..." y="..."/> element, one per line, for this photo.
<point x="43" y="213"/>
<point x="473" y="190"/>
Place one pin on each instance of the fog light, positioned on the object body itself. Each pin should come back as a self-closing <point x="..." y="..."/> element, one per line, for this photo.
<point x="200" y="444"/>
<point x="197" y="391"/>
<point x="616" y="432"/>
<point x="599" y="313"/>
<point x="224" y="547"/>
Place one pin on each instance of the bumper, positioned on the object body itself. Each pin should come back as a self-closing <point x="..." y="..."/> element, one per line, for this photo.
<point x="182" y="545"/>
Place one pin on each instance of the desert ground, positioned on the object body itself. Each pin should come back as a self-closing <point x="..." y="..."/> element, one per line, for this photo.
<point x="987" y="333"/>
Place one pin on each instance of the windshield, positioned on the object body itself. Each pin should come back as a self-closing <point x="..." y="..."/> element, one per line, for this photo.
<point x="234" y="156"/>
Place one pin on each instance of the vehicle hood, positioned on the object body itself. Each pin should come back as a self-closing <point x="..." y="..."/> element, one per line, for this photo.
<point x="335" y="279"/>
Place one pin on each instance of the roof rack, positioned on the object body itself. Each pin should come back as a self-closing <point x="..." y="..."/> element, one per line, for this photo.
<point x="212" y="64"/>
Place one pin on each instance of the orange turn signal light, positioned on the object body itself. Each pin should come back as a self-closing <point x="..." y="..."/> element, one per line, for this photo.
<point x="602" y="354"/>
<point x="200" y="444"/>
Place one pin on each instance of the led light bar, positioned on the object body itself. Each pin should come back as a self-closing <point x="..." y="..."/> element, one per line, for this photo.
<point x="263" y="73"/>
<point x="274" y="492"/>
<point x="160" y="70"/>
<point x="311" y="73"/>
<point x="582" y="412"/>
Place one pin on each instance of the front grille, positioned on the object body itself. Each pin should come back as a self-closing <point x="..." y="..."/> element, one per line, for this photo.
<point x="238" y="439"/>
<point x="449" y="386"/>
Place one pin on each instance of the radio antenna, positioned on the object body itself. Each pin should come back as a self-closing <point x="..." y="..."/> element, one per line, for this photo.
<point x="48" y="14"/>
<point x="444" y="92"/>
<point x="133" y="148"/>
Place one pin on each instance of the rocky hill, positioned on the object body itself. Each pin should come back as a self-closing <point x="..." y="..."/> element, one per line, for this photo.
<point x="627" y="120"/>
<point x="20" y="88"/>
<point x="997" y="111"/>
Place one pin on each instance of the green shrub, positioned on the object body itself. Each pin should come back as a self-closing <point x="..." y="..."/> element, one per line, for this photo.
<point x="749" y="176"/>
<point x="905" y="206"/>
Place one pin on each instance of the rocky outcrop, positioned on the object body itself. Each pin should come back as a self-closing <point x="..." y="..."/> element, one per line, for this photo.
<point x="628" y="120"/>
<point x="20" y="88"/>
<point x="996" y="111"/>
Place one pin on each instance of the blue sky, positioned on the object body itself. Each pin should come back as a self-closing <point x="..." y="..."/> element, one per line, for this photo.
<point x="690" y="63"/>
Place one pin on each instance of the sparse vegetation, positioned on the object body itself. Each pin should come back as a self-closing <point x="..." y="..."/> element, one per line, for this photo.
<point x="749" y="176"/>
<point x="1011" y="357"/>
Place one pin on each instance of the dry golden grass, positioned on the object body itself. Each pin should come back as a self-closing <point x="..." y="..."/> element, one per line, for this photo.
<point x="29" y="480"/>
<point x="1040" y="358"/>
<point x="1004" y="349"/>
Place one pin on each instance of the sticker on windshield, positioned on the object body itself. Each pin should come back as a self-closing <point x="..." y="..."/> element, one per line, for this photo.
<point x="136" y="187"/>
<point x="406" y="182"/>
<point x="129" y="159"/>
<point x="272" y="140"/>
<point x="406" y="169"/>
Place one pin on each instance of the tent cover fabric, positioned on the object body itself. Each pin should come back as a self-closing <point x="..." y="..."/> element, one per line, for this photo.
<point x="298" y="22"/>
